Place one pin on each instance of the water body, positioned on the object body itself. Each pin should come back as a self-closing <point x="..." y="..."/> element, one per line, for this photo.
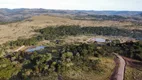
<point x="99" y="39"/>
<point x="35" y="49"/>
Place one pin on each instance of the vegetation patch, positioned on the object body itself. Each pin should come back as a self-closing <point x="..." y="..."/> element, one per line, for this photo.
<point x="133" y="74"/>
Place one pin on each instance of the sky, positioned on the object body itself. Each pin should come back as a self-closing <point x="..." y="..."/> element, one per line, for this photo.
<point x="129" y="5"/>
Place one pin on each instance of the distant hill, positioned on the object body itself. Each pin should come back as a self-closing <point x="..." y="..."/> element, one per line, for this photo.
<point x="10" y="15"/>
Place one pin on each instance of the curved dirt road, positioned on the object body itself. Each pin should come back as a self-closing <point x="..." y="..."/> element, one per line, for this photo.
<point x="118" y="73"/>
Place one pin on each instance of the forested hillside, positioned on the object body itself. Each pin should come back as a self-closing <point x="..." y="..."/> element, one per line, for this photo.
<point x="11" y="15"/>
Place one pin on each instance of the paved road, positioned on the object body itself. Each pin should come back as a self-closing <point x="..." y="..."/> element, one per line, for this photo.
<point x="120" y="69"/>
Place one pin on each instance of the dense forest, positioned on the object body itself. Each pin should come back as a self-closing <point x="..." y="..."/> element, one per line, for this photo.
<point x="54" y="32"/>
<point x="53" y="62"/>
<point x="132" y="50"/>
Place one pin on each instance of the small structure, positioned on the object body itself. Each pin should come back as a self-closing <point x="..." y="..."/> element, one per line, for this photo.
<point x="32" y="49"/>
<point x="98" y="40"/>
<point x="20" y="48"/>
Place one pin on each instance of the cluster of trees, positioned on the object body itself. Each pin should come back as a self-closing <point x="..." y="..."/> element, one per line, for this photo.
<point x="51" y="33"/>
<point x="68" y="57"/>
<point x="20" y="42"/>
<point x="7" y="69"/>
<point x="8" y="22"/>
<point x="59" y="60"/>
<point x="109" y="17"/>
<point x="55" y="32"/>
<point x="131" y="49"/>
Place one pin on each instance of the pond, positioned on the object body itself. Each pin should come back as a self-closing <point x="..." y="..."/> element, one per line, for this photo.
<point x="35" y="48"/>
<point x="99" y="39"/>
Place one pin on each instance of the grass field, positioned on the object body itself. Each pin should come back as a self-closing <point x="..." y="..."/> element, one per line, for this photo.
<point x="106" y="66"/>
<point x="25" y="28"/>
<point x="133" y="74"/>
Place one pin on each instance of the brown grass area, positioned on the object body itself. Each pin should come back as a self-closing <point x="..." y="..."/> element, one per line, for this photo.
<point x="133" y="73"/>
<point x="25" y="29"/>
<point x="133" y="70"/>
<point x="14" y="31"/>
<point x="107" y="64"/>
<point x="53" y="20"/>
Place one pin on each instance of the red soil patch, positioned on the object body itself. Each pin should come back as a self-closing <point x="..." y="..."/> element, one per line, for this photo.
<point x="133" y="63"/>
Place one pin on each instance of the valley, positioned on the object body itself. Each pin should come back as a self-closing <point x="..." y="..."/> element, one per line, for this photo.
<point x="70" y="45"/>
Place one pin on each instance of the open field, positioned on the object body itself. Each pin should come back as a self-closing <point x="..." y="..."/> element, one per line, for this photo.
<point x="25" y="28"/>
<point x="106" y="64"/>
<point x="133" y="70"/>
<point x="133" y="74"/>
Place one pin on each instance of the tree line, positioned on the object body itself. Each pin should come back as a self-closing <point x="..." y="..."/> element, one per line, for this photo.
<point x="52" y="33"/>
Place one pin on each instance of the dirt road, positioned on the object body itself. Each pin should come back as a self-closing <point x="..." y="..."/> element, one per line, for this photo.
<point x="119" y="70"/>
<point x="19" y="48"/>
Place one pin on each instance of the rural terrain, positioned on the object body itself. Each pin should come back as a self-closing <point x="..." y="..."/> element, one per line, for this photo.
<point x="40" y="44"/>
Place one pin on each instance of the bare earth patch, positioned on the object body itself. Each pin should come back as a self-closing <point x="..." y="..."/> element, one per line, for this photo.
<point x="133" y="70"/>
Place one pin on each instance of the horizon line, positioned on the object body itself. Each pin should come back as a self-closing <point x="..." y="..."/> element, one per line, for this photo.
<point x="74" y="9"/>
